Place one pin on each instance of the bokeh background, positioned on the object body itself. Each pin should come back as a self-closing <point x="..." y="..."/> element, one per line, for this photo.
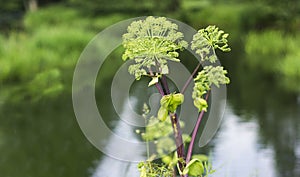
<point x="41" y="41"/>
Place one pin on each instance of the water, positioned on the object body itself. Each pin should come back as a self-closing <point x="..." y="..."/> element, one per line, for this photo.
<point x="237" y="152"/>
<point x="259" y="135"/>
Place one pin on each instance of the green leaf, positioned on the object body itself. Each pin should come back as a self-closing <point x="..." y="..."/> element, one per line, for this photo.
<point x="178" y="98"/>
<point x="162" y="113"/>
<point x="167" y="159"/>
<point x="200" y="157"/>
<point x="172" y="101"/>
<point x="165" y="101"/>
<point x="194" y="168"/>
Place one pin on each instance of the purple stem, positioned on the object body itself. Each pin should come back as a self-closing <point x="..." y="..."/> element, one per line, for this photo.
<point x="160" y="90"/>
<point x="178" y="138"/>
<point x="165" y="84"/>
<point x="195" y="131"/>
<point x="190" y="79"/>
<point x="176" y="128"/>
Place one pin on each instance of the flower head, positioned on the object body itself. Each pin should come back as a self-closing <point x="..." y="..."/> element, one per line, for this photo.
<point x="151" y="43"/>
<point x="207" y="39"/>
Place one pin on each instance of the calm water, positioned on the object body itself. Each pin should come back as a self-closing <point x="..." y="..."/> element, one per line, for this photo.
<point x="259" y="135"/>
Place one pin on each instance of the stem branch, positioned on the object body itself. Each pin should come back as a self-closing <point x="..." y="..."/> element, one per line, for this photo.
<point x="160" y="90"/>
<point x="195" y="131"/>
<point x="190" y="79"/>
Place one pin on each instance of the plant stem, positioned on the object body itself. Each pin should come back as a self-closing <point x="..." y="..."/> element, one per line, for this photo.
<point x="165" y="84"/>
<point x="176" y="128"/>
<point x="157" y="85"/>
<point x="195" y="131"/>
<point x="178" y="138"/>
<point x="160" y="90"/>
<point x="190" y="79"/>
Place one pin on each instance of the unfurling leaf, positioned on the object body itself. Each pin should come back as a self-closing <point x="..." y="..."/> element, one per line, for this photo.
<point x="169" y="103"/>
<point x="165" y="101"/>
<point x="162" y="113"/>
<point x="194" y="168"/>
<point x="200" y="157"/>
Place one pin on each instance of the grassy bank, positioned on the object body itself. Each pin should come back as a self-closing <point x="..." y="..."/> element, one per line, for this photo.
<point x="38" y="61"/>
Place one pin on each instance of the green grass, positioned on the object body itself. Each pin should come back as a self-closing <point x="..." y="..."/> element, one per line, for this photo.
<point x="54" y="37"/>
<point x="276" y="53"/>
<point x="39" y="61"/>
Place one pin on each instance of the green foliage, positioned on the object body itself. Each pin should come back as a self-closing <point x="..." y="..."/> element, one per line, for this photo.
<point x="274" y="47"/>
<point x="151" y="43"/>
<point x="33" y="63"/>
<point x="52" y="40"/>
<point x="199" y="166"/>
<point x="39" y="52"/>
<point x="160" y="132"/>
<point x="155" y="129"/>
<point x="64" y="16"/>
<point x="52" y="15"/>
<point x="290" y="72"/>
<point x="226" y="15"/>
<point x="150" y="169"/>
<point x="169" y="103"/>
<point x="205" y="79"/>
<point x="194" y="168"/>
<point x="279" y="54"/>
<point x="49" y="81"/>
<point x="11" y="6"/>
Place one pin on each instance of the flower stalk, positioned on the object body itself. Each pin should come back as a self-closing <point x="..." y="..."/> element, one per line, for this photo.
<point x="195" y="131"/>
<point x="151" y="44"/>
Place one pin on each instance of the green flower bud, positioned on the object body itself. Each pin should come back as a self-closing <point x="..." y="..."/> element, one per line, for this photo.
<point x="178" y="98"/>
<point x="201" y="104"/>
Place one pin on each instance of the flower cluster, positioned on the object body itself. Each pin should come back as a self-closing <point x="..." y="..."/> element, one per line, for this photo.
<point x="205" y="79"/>
<point x="151" y="43"/>
<point x="205" y="40"/>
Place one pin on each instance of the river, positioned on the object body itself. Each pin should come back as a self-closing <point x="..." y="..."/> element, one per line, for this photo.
<point x="259" y="135"/>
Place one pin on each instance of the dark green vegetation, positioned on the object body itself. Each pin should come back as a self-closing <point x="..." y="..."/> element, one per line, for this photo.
<point x="40" y="47"/>
<point x="38" y="52"/>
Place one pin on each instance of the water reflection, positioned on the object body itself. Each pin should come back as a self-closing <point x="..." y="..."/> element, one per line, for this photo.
<point x="276" y="114"/>
<point x="43" y="140"/>
<point x="237" y="152"/>
<point x="113" y="167"/>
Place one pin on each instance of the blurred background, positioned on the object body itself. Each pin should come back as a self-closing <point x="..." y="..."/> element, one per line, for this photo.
<point x="41" y="41"/>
